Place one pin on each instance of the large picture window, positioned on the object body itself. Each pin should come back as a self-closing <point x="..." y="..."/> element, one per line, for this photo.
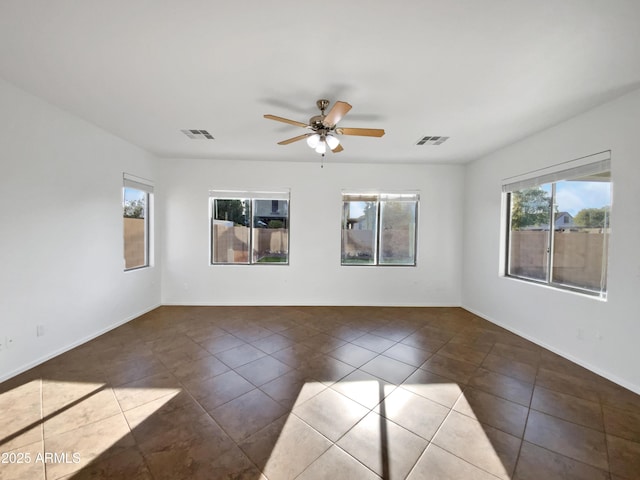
<point x="249" y="227"/>
<point x="137" y="194"/>
<point x="379" y="229"/>
<point x="558" y="226"/>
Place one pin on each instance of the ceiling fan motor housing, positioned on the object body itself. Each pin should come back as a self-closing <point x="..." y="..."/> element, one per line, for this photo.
<point x="315" y="122"/>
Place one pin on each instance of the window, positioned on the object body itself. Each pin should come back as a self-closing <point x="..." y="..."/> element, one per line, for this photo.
<point x="558" y="225"/>
<point x="136" y="200"/>
<point x="379" y="229"/>
<point x="249" y="227"/>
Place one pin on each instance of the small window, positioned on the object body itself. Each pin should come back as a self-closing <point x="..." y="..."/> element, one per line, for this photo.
<point x="379" y="229"/>
<point x="136" y="217"/>
<point x="249" y="227"/>
<point x="558" y="227"/>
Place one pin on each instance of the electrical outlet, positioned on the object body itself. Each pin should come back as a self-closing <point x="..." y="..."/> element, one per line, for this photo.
<point x="39" y="330"/>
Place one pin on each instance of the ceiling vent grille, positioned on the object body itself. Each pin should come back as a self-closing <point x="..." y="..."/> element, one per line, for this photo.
<point x="198" y="134"/>
<point x="431" y="140"/>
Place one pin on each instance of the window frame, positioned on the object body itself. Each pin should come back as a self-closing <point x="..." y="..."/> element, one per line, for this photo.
<point x="251" y="196"/>
<point x="147" y="188"/>
<point x="599" y="163"/>
<point x="380" y="197"/>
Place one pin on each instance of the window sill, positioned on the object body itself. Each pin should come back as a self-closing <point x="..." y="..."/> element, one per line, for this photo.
<point x="560" y="288"/>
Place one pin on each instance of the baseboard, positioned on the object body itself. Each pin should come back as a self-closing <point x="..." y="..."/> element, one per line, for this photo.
<point x="615" y="379"/>
<point x="71" y="346"/>
<point x="236" y="304"/>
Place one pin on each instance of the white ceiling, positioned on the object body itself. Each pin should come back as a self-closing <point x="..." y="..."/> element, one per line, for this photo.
<point x="483" y="72"/>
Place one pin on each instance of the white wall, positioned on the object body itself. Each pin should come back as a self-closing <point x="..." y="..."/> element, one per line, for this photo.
<point x="552" y="318"/>
<point x="314" y="276"/>
<point x="61" y="247"/>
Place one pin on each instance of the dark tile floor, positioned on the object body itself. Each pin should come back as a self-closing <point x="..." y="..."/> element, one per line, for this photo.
<point x="314" y="393"/>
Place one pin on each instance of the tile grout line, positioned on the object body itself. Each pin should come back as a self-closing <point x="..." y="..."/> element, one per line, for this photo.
<point x="568" y="421"/>
<point x="568" y="458"/>
<point x="606" y="437"/>
<point x="446" y="416"/>
<point x="526" y="423"/>
<point x="451" y="453"/>
<point x="144" y="457"/>
<point x="333" y="443"/>
<point x="237" y="445"/>
<point x="44" y="466"/>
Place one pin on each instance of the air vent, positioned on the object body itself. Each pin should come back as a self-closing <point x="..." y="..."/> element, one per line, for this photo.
<point x="432" y="140"/>
<point x="198" y="134"/>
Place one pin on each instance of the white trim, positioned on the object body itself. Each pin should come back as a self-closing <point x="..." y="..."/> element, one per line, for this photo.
<point x="75" y="344"/>
<point x="310" y="303"/>
<point x="615" y="379"/>
<point x="558" y="287"/>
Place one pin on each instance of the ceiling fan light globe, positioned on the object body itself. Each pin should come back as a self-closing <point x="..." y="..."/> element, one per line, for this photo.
<point x="313" y="140"/>
<point x="321" y="148"/>
<point x="332" y="141"/>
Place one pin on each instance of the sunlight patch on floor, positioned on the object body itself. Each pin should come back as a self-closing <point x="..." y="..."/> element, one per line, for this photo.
<point x="421" y="413"/>
<point x="297" y="447"/>
<point x="62" y="426"/>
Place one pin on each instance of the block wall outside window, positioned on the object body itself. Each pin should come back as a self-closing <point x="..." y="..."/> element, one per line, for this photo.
<point x="249" y="227"/>
<point x="137" y="195"/>
<point x="379" y="228"/>
<point x="558" y="226"/>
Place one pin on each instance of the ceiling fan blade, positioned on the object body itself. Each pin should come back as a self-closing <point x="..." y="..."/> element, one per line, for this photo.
<point x="338" y="149"/>
<point x="336" y="113"/>
<point x="286" y="120"/>
<point x="294" y="139"/>
<point x="363" y="132"/>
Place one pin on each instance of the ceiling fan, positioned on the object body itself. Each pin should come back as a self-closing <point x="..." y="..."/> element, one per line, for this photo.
<point x="324" y="130"/>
